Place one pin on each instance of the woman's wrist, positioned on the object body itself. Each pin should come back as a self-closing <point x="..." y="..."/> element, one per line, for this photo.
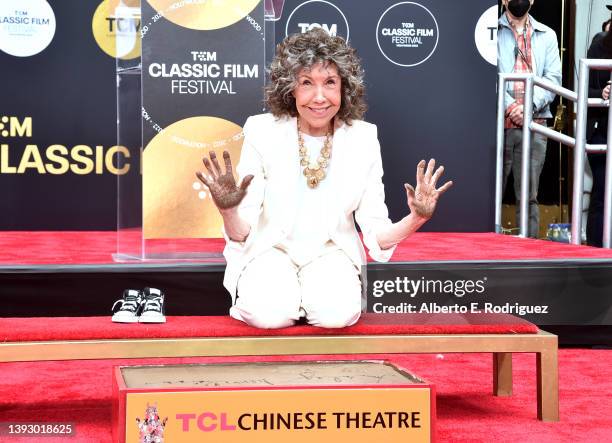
<point x="235" y="227"/>
<point x="400" y="230"/>
<point x="414" y="219"/>
<point x="229" y="212"/>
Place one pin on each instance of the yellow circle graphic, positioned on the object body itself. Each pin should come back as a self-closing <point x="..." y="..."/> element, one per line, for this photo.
<point x="116" y="29"/>
<point x="174" y="204"/>
<point x="131" y="3"/>
<point x="204" y="15"/>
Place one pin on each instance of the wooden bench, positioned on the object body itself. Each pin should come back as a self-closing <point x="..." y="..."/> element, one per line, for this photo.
<point x="67" y="338"/>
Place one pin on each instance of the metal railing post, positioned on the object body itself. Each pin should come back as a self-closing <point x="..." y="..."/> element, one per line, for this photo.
<point x="526" y="157"/>
<point x="579" y="152"/>
<point x="608" y="185"/>
<point x="499" y="160"/>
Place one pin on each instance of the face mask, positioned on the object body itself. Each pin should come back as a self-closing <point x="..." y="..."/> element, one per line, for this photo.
<point x="518" y="8"/>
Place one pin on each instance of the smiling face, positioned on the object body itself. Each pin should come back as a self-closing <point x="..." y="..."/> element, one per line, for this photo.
<point x="317" y="97"/>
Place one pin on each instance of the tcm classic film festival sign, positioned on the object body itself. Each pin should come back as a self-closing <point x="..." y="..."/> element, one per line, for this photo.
<point x="202" y="75"/>
<point x="407" y="34"/>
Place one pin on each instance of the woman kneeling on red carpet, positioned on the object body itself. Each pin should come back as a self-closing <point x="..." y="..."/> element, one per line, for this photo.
<point x="307" y="167"/>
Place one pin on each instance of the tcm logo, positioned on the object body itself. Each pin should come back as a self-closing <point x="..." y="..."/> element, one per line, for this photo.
<point x="12" y="127"/>
<point x="317" y="14"/>
<point x="118" y="25"/>
<point x="331" y="30"/>
<point x="117" y="31"/>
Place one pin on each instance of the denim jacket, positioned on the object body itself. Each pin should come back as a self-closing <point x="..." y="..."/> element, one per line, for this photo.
<point x="545" y="50"/>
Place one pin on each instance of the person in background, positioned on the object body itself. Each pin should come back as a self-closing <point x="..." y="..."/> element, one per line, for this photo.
<point x="597" y="133"/>
<point x="525" y="45"/>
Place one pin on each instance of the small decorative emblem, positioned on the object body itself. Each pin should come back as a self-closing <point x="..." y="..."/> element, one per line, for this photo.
<point x="151" y="428"/>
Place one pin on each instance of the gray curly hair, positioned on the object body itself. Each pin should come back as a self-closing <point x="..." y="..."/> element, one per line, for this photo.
<point x="299" y="51"/>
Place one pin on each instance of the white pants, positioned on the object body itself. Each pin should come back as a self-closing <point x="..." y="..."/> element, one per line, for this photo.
<point x="273" y="292"/>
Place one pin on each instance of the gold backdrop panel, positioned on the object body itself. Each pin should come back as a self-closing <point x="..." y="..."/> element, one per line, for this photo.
<point x="175" y="204"/>
<point x="204" y="14"/>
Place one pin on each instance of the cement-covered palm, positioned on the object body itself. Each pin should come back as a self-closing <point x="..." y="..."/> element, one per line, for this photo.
<point x="222" y="186"/>
<point x="422" y="201"/>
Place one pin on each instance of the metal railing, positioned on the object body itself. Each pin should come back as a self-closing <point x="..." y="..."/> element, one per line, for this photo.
<point x="578" y="143"/>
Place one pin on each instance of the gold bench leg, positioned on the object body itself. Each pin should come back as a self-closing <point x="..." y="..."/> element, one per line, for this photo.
<point x="502" y="374"/>
<point x="548" y="384"/>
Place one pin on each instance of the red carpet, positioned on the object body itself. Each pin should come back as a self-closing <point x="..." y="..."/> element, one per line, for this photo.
<point x="97" y="247"/>
<point x="91" y="328"/>
<point x="81" y="392"/>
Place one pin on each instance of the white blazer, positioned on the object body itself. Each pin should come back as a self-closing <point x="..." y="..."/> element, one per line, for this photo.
<point x="270" y="153"/>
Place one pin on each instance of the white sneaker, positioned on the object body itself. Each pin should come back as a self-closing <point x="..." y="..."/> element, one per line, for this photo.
<point x="153" y="308"/>
<point x="131" y="305"/>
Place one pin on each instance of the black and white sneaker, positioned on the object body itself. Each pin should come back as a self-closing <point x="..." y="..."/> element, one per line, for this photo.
<point x="131" y="305"/>
<point x="153" y="308"/>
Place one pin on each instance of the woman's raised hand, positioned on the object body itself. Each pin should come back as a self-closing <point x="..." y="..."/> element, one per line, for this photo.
<point x="422" y="200"/>
<point x="223" y="189"/>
